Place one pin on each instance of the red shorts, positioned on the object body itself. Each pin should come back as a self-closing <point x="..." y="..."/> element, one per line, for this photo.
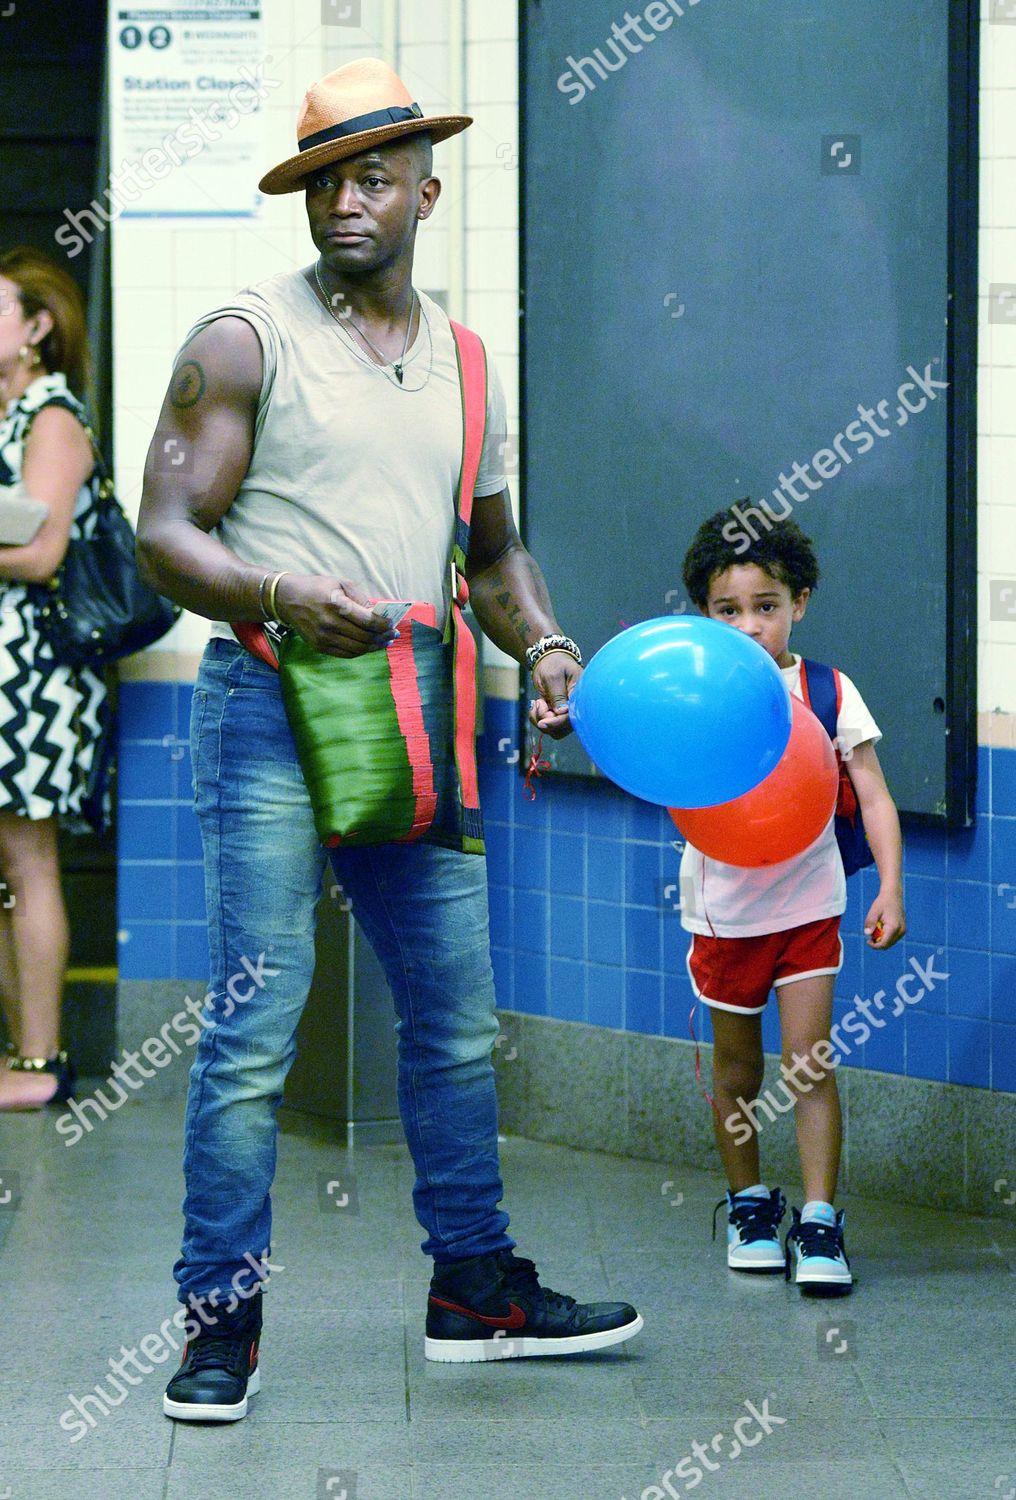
<point x="738" y="973"/>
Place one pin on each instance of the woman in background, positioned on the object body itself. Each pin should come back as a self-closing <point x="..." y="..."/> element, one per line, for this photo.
<point x="53" y="720"/>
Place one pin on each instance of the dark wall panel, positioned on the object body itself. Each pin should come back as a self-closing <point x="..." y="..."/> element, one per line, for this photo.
<point x="709" y="297"/>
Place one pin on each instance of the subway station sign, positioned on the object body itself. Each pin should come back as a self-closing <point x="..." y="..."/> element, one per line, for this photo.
<point x="188" y="85"/>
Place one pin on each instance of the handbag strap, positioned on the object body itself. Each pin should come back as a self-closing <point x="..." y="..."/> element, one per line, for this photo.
<point x="103" y="495"/>
<point x="472" y="362"/>
<point x="66" y="403"/>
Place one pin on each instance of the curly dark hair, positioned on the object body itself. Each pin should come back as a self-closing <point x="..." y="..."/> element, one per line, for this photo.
<point x="728" y="539"/>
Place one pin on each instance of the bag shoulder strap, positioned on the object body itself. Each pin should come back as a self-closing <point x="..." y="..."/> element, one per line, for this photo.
<point x="67" y="402"/>
<point x="823" y="694"/>
<point x="472" y="362"/>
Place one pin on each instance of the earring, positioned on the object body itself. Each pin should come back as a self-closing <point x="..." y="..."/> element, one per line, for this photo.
<point x="25" y="351"/>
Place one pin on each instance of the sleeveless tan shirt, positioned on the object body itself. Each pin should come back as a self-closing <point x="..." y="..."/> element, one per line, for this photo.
<point x="352" y="476"/>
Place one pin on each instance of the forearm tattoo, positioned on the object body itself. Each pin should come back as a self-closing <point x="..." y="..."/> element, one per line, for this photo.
<point x="503" y="596"/>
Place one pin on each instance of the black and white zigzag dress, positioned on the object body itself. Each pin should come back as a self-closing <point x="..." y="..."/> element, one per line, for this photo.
<point x="54" y="722"/>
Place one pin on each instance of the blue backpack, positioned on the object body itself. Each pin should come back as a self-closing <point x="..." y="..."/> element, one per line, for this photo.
<point x="823" y="693"/>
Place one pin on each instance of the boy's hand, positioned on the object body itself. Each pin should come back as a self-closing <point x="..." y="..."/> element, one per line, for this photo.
<point x="885" y="924"/>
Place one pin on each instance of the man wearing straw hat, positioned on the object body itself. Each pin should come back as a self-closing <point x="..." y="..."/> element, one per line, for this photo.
<point x="320" y="419"/>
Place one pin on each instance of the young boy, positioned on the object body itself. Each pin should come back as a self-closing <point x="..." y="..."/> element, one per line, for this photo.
<point x="777" y="926"/>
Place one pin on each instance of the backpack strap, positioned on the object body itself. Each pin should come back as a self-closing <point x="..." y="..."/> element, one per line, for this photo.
<point x="821" y="690"/>
<point x="472" y="362"/>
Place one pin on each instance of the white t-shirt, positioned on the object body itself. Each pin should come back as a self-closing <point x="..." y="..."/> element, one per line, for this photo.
<point x="732" y="901"/>
<point x="352" y="475"/>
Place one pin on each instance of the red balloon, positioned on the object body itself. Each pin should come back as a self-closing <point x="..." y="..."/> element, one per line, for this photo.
<point x="783" y="814"/>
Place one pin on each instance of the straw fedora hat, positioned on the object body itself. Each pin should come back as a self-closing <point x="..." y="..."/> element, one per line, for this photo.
<point x="362" y="104"/>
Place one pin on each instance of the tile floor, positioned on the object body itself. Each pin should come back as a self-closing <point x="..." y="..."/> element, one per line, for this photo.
<point x="905" y="1390"/>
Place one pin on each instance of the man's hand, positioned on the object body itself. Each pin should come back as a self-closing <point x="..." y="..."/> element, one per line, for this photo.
<point x="333" y="617"/>
<point x="554" y="679"/>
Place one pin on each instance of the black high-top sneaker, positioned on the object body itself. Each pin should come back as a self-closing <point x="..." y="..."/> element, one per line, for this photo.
<point x="493" y="1307"/>
<point x="219" y="1369"/>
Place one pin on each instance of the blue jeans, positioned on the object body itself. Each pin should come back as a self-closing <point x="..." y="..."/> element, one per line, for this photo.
<point x="424" y="911"/>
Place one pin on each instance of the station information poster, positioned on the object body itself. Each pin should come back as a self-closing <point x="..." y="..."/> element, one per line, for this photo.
<point x="188" y="85"/>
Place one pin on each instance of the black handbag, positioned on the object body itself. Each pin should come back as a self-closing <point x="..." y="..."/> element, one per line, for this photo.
<point x="96" y="608"/>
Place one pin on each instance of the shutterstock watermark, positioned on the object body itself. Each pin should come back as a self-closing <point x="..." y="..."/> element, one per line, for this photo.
<point x="340" y="12"/>
<point x="160" y="1050"/>
<point x="1002" y="598"/>
<point x="336" y="1484"/>
<point x="836" y="1340"/>
<point x="841" y="154"/>
<point x="338" y="1194"/>
<point x="578" y="79"/>
<point x="857" y="438"/>
<point x="708" y="1457"/>
<point x="131" y="180"/>
<point x="825" y="1056"/>
<point x="199" y="1311"/>
<point x="1008" y="1198"/>
<point x="1002" y="294"/>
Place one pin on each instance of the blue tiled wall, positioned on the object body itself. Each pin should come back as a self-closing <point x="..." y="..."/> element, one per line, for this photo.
<point x="580" y="928"/>
<point x="161" y="894"/>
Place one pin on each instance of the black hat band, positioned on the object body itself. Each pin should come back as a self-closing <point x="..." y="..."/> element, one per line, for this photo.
<point x="380" y="117"/>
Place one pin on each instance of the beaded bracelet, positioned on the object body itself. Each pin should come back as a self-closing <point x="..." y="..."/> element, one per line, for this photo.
<point x="548" y="643"/>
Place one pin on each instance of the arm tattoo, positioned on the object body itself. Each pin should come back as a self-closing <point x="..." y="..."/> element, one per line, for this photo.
<point x="506" y="599"/>
<point x="188" y="385"/>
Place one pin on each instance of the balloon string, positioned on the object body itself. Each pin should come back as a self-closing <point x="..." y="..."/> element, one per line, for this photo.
<point x="698" y="1059"/>
<point x="691" y="1015"/>
<point x="705" y="909"/>
<point x="536" y="767"/>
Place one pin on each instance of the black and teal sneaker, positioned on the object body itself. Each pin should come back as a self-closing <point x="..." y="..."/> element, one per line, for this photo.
<point x="493" y="1307"/>
<point x="753" y="1232"/>
<point x="817" y="1258"/>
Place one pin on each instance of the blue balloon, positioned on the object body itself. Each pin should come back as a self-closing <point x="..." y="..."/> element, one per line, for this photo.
<point x="683" y="712"/>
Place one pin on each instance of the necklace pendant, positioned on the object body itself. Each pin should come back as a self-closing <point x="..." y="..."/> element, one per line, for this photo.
<point x="398" y="372"/>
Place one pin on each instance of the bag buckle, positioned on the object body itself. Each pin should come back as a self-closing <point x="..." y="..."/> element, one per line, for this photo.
<point x="460" y="588"/>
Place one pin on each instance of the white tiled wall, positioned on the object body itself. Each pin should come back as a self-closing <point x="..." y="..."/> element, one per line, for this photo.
<point x="997" y="376"/>
<point x="166" y="276"/>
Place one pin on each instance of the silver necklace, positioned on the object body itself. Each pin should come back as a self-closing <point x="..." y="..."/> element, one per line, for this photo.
<point x="399" y="365"/>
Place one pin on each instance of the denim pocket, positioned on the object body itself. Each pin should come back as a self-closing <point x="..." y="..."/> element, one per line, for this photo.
<point x="255" y="676"/>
